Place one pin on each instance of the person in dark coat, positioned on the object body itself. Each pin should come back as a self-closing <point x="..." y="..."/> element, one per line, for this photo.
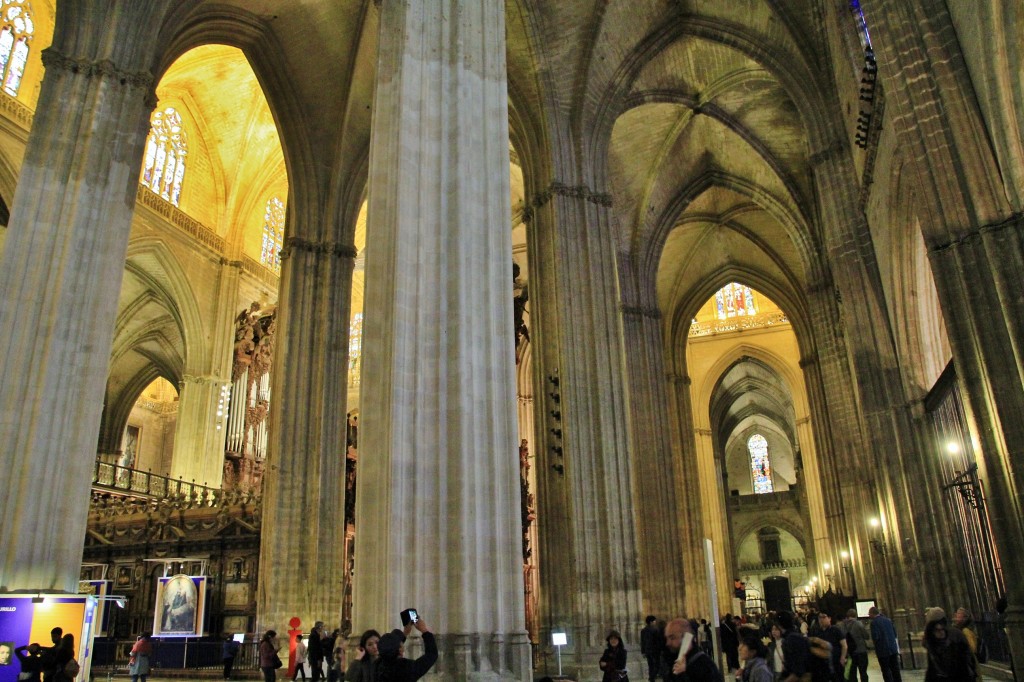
<point x="392" y="667"/>
<point x="268" y="657"/>
<point x="64" y="654"/>
<point x="613" y="660"/>
<point x="883" y="634"/>
<point x="696" y="666"/>
<point x="31" y="659"/>
<point x="315" y="650"/>
<point x="730" y="642"/>
<point x="651" y="644"/>
<point x="949" y="654"/>
<point x="229" y="650"/>
<point x="796" y="650"/>
<point x="49" y="655"/>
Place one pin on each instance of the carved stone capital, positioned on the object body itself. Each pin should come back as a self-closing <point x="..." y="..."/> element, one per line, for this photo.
<point x="642" y="311"/>
<point x="198" y="380"/>
<point x="557" y="188"/>
<point x="1015" y="221"/>
<point x="321" y="248"/>
<point x="103" y="68"/>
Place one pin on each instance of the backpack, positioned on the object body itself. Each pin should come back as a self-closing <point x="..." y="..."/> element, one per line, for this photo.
<point x="71" y="669"/>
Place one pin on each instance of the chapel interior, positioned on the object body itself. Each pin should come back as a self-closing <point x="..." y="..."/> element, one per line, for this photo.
<point x="538" y="316"/>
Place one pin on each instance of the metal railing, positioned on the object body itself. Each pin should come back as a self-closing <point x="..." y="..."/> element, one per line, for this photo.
<point x="175" y="654"/>
<point x="110" y="477"/>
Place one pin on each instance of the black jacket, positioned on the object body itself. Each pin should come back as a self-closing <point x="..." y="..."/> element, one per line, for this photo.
<point x="699" y="667"/>
<point x="614" y="660"/>
<point x="405" y="670"/>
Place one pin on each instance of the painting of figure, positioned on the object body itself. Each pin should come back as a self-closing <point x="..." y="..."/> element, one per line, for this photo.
<point x="177" y="604"/>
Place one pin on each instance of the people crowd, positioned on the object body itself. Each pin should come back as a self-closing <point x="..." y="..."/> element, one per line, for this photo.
<point x="377" y="659"/>
<point x="55" y="663"/>
<point x="777" y="647"/>
<point x="786" y="646"/>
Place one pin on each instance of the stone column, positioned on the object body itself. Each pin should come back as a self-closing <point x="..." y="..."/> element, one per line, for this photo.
<point x="716" y="520"/>
<point x="882" y="421"/>
<point x="303" y="530"/>
<point x="974" y="244"/>
<point x="586" y="496"/>
<point x="819" y="548"/>
<point x="60" y="275"/>
<point x="691" y="507"/>
<point x="977" y="279"/>
<point x="198" y="443"/>
<point x="659" y="519"/>
<point x="438" y="499"/>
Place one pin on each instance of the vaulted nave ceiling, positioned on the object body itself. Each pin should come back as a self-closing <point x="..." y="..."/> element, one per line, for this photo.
<point x="694" y="114"/>
<point x="711" y="159"/>
<point x="708" y="151"/>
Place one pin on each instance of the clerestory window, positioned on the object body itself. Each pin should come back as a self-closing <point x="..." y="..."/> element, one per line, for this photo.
<point x="760" y="466"/>
<point x="166" y="149"/>
<point x="273" y="234"/>
<point x="16" y="30"/>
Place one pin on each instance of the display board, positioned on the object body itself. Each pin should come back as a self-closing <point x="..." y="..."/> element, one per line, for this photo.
<point x="23" y="621"/>
<point x="180" y="606"/>
<point x="99" y="589"/>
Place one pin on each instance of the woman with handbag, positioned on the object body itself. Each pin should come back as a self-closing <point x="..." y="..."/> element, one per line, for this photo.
<point x="138" y="664"/>
<point x="269" y="660"/>
<point x="613" y="660"/>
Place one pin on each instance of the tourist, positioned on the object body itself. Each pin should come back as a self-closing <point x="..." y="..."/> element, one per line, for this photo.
<point x="269" y="659"/>
<point x="613" y="660"/>
<point x="364" y="667"/>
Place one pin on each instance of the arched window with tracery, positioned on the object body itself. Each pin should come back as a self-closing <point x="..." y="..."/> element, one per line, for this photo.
<point x="166" y="150"/>
<point x="355" y="348"/>
<point x="273" y="234"/>
<point x="760" y="467"/>
<point x="733" y="300"/>
<point x="16" y="31"/>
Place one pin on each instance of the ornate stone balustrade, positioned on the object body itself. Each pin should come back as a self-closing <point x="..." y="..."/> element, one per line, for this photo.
<point x="120" y="490"/>
<point x="17" y="111"/>
<point x="260" y="271"/>
<point x="772" y="566"/>
<point x="773" y="500"/>
<point x="157" y="406"/>
<point x="739" y="323"/>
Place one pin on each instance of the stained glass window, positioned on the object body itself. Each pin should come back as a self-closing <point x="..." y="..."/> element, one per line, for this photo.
<point x="734" y="299"/>
<point x="16" y="29"/>
<point x="273" y="234"/>
<point x="166" y="149"/>
<point x="862" y="25"/>
<point x="355" y="348"/>
<point x="760" y="467"/>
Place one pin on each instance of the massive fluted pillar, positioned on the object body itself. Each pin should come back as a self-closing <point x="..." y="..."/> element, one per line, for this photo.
<point x="61" y="276"/>
<point x="438" y="504"/>
<point x="659" y="516"/>
<point x="303" y="531"/>
<point x="589" y="566"/>
<point x="691" y="507"/>
<point x="198" y="443"/>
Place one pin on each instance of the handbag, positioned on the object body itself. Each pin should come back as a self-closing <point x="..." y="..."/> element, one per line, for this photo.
<point x="278" y="663"/>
